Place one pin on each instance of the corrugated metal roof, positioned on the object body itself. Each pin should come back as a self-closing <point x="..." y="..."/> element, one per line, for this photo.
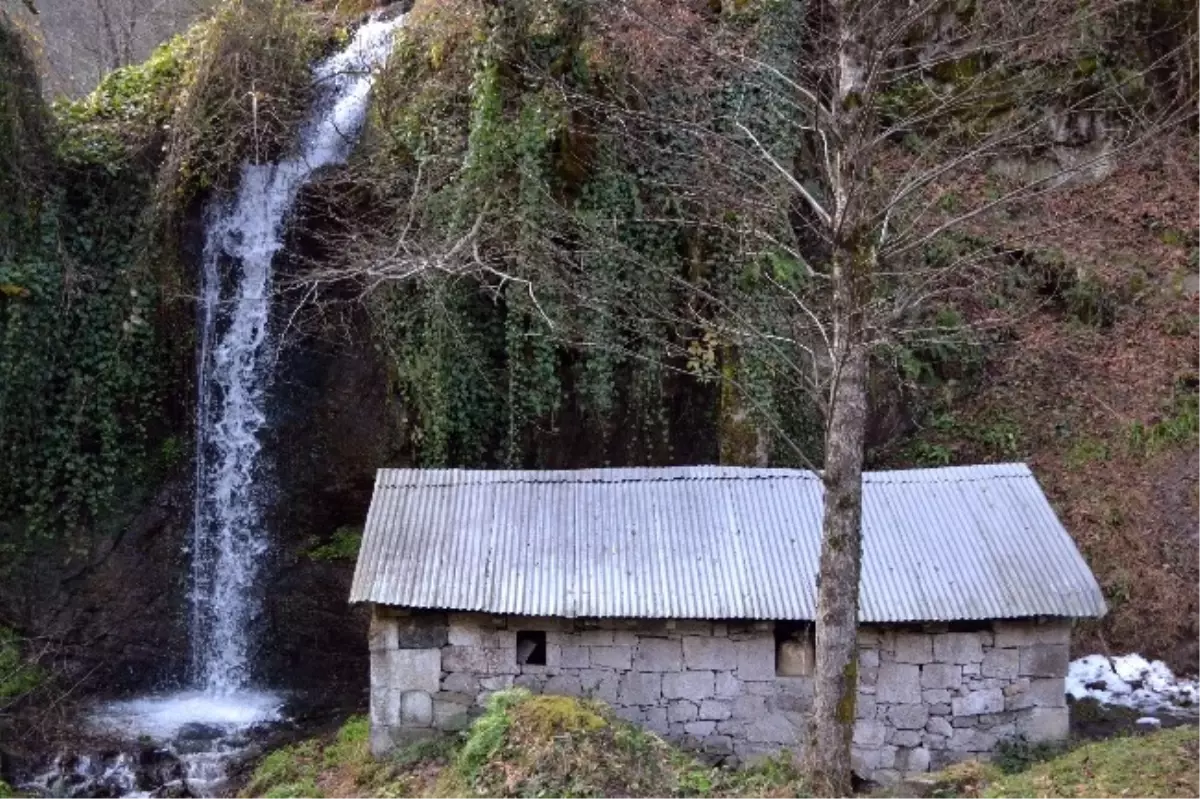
<point x="973" y="542"/>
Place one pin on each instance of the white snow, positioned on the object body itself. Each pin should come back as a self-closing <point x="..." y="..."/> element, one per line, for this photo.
<point x="1132" y="681"/>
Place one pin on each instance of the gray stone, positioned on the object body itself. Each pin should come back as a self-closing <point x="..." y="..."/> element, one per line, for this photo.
<point x="718" y="744"/>
<point x="963" y="740"/>
<point x="625" y="638"/>
<point x="749" y="707"/>
<point x="789" y="703"/>
<point x="714" y="710"/>
<point x="450" y="716"/>
<point x="971" y="670"/>
<point x="756" y="659"/>
<point x="416" y="709"/>
<point x="864" y="761"/>
<point x="381" y="740"/>
<point x="1045" y="660"/>
<point x="639" y="688"/>
<point x="534" y="682"/>
<point x="464" y="630"/>
<point x="574" y="657"/>
<point x="461" y="683"/>
<point x="382" y="634"/>
<point x="963" y="721"/>
<point x="594" y="638"/>
<point x="899" y="683"/>
<point x="727" y="685"/>
<point x="941" y="709"/>
<point x="411" y="669"/>
<point x="887" y="757"/>
<point x="658" y="654"/>
<point x="694" y="685"/>
<point x="759" y="688"/>
<point x="631" y="713"/>
<point x="913" y="648"/>
<point x="915" y="761"/>
<point x="864" y="707"/>
<point x="869" y="733"/>
<point x="977" y="703"/>
<point x="1014" y="633"/>
<point x="686" y="627"/>
<point x="1049" y="692"/>
<point x="731" y="727"/>
<point x="385" y="707"/>
<point x="1044" y="724"/>
<point x="935" y="696"/>
<point x="682" y="710"/>
<point x="700" y="729"/>
<point x="1001" y="663"/>
<point x="905" y="738"/>
<point x="960" y="648"/>
<point x="599" y="685"/>
<point x="868" y="659"/>
<point x="709" y="653"/>
<point x="612" y="657"/>
<point x="564" y="684"/>
<point x="656" y="720"/>
<point x="464" y="658"/>
<point x="427" y="631"/>
<point x="908" y="717"/>
<point x="774" y="728"/>
<point x="941" y="675"/>
<point x="498" y="683"/>
<point x="937" y="725"/>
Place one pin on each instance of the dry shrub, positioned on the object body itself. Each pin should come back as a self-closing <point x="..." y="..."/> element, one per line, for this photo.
<point x="246" y="92"/>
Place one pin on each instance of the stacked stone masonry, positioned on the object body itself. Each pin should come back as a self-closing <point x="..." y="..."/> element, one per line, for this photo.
<point x="928" y="696"/>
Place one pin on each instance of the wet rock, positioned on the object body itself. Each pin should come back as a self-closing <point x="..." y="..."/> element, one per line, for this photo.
<point x="157" y="768"/>
<point x="196" y="731"/>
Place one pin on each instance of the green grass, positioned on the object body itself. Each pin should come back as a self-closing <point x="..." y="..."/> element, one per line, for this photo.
<point x="1161" y="764"/>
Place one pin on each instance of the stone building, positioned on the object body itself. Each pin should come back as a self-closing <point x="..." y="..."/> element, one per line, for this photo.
<point x="683" y="597"/>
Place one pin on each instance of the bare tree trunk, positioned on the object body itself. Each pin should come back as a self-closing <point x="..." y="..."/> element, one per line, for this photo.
<point x="836" y="677"/>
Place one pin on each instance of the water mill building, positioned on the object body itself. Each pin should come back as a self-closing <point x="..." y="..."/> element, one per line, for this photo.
<point x="684" y="598"/>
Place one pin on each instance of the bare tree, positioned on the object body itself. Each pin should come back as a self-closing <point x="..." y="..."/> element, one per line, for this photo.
<point x="882" y="109"/>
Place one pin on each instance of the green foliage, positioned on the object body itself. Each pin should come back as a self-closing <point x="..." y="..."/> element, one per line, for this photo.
<point x="18" y="676"/>
<point x="342" y="546"/>
<point x="6" y="791"/>
<point x="488" y="733"/>
<point x="1016" y="755"/>
<point x="1180" y="426"/>
<point x="287" y="772"/>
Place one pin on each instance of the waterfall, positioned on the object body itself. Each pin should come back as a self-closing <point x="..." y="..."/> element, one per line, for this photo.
<point x="242" y="238"/>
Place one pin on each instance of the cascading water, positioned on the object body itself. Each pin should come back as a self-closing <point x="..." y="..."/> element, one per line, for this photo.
<point x="229" y="540"/>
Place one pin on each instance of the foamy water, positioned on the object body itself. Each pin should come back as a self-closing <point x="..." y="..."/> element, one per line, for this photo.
<point x="162" y="717"/>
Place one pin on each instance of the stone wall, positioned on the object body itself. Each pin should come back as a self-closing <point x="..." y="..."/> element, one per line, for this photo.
<point x="927" y="696"/>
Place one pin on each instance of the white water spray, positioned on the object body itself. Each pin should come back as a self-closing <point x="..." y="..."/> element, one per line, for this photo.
<point x="235" y="371"/>
<point x="229" y="539"/>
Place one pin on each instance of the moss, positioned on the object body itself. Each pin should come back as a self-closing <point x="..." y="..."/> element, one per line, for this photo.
<point x="18" y="676"/>
<point x="542" y="716"/>
<point x="342" y="546"/>
<point x="845" y="708"/>
<point x="286" y="772"/>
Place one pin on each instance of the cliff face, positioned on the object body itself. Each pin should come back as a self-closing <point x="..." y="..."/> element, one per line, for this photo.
<point x="521" y="265"/>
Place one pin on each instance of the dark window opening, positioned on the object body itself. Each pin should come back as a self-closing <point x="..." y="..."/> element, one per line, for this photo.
<point x="795" y="655"/>
<point x="531" y="648"/>
<point x="969" y="626"/>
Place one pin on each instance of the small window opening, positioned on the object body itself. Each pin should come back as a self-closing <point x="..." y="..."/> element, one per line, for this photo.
<point x="531" y="648"/>
<point x="795" y="655"/>
<point x="969" y="626"/>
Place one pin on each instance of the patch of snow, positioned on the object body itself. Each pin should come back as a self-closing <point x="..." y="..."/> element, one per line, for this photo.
<point x="1149" y="721"/>
<point x="1134" y="682"/>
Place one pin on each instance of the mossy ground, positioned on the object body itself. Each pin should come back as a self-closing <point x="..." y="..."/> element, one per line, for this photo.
<point x="1158" y="764"/>
<point x="523" y="745"/>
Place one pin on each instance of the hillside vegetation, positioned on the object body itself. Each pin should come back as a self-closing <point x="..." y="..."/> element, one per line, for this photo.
<point x="560" y="746"/>
<point x="549" y="198"/>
